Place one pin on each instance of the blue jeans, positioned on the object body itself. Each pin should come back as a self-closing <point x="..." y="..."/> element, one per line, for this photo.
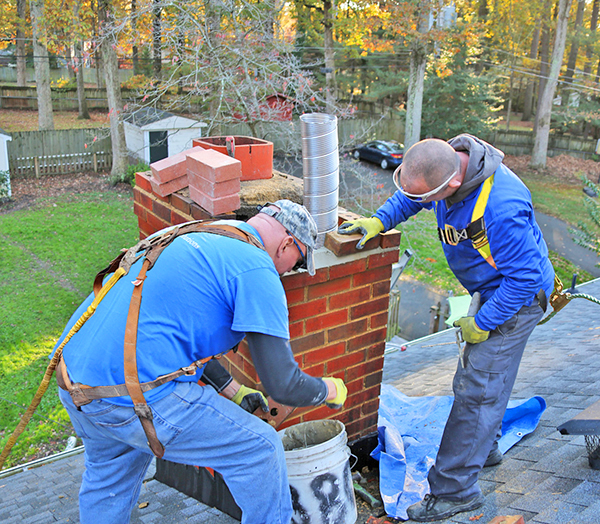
<point x="197" y="427"/>
<point x="481" y="393"/>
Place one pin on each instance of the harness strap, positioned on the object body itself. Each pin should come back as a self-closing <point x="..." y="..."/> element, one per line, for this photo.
<point x="476" y="230"/>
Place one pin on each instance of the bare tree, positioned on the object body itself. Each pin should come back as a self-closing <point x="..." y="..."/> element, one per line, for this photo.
<point x="113" y="87"/>
<point x="328" y="18"/>
<point x="156" y="39"/>
<point x="540" y="147"/>
<point x="41" y="64"/>
<point x="572" y="60"/>
<point x="20" y="37"/>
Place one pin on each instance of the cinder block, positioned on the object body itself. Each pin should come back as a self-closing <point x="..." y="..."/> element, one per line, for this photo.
<point x="173" y="166"/>
<point x="508" y="519"/>
<point x="166" y="188"/>
<point x="214" y="189"/>
<point x="215" y="206"/>
<point x="213" y="166"/>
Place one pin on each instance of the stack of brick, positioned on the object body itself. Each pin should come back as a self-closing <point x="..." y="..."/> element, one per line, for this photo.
<point x="170" y="174"/>
<point x="214" y="180"/>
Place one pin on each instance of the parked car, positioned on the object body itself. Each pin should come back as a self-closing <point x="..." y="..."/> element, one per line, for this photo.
<point x="386" y="153"/>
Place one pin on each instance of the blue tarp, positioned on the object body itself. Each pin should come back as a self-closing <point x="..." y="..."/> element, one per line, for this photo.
<point x="410" y="430"/>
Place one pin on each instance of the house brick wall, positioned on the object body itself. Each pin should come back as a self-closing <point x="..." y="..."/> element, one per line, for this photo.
<point x="338" y="317"/>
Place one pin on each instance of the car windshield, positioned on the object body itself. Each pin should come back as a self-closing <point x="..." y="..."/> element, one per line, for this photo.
<point x="394" y="147"/>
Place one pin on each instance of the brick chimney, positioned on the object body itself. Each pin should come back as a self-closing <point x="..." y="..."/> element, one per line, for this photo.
<point x="338" y="317"/>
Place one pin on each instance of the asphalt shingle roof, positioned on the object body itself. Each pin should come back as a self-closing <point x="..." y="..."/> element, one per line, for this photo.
<point x="545" y="477"/>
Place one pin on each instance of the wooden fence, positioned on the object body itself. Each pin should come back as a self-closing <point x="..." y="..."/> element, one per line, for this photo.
<point x="35" y="153"/>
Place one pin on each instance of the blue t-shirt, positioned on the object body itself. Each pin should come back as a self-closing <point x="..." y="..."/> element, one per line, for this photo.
<point x="203" y="294"/>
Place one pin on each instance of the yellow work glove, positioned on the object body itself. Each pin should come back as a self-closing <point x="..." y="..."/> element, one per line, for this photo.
<point x="471" y="332"/>
<point x="250" y="399"/>
<point x="342" y="393"/>
<point x="369" y="227"/>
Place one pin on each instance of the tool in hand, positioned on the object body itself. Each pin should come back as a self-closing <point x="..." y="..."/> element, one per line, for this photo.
<point x="473" y="309"/>
<point x="276" y="415"/>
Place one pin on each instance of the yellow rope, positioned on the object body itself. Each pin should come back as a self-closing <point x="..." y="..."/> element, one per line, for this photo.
<point x="53" y="363"/>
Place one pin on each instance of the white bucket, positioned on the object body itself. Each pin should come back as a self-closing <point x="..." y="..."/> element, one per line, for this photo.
<point x="317" y="459"/>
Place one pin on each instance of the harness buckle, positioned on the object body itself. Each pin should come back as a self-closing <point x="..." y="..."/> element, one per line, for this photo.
<point x="143" y="411"/>
<point x="189" y="370"/>
<point x="78" y="396"/>
<point x="453" y="236"/>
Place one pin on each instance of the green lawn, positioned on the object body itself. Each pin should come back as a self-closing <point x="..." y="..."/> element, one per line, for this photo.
<point x="48" y="259"/>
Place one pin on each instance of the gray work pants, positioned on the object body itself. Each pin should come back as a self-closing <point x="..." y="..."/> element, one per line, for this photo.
<point x="481" y="393"/>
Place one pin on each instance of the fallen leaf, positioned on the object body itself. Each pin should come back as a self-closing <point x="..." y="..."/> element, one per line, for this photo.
<point x="143" y="505"/>
<point x="476" y="517"/>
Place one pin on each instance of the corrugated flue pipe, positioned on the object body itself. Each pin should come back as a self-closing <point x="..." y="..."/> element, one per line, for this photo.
<point x="320" y="166"/>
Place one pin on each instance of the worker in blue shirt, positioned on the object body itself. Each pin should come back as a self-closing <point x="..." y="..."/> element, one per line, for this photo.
<point x="204" y="294"/>
<point x="494" y="246"/>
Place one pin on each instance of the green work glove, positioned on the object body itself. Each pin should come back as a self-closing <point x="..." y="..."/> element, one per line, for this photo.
<point x="369" y="227"/>
<point x="470" y="330"/>
<point x="342" y="393"/>
<point x="250" y="399"/>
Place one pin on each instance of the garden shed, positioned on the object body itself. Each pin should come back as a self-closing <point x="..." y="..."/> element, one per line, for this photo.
<point x="152" y="134"/>
<point x="4" y="174"/>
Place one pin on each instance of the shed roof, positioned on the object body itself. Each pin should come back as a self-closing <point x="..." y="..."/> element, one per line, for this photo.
<point x="2" y="132"/>
<point x="149" y="118"/>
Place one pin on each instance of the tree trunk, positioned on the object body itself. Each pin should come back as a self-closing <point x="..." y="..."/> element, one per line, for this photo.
<point x="528" y="101"/>
<point x="544" y="60"/>
<point x="20" y="37"/>
<point x="42" y="66"/>
<point x="572" y="60"/>
<point x="510" y="95"/>
<point x="156" y="39"/>
<point x="414" y="98"/>
<point x="540" y="147"/>
<point x="134" y="47"/>
<point x="587" y="69"/>
<point x="328" y="18"/>
<point x="78" y="69"/>
<point x="113" y="89"/>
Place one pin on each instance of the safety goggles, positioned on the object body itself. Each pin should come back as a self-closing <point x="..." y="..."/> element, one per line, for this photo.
<point x="424" y="196"/>
<point x="302" y="262"/>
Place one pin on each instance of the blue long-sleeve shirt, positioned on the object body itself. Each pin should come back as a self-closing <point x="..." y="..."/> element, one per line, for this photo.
<point x="516" y="243"/>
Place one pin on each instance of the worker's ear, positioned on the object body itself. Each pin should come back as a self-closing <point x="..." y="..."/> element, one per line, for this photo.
<point x="284" y="244"/>
<point x="454" y="183"/>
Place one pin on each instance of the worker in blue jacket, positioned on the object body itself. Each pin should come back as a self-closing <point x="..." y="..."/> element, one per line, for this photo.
<point x="494" y="246"/>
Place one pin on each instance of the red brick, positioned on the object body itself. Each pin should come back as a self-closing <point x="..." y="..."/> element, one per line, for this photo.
<point x="198" y="213"/>
<point x="379" y="320"/>
<point x="362" y="426"/>
<point x="376" y="350"/>
<point x="296" y="330"/>
<point x="143" y="198"/>
<point x="161" y="210"/>
<point x="168" y="169"/>
<point x="355" y="386"/>
<point x="181" y="203"/>
<point x="324" y="354"/>
<point x="345" y="361"/>
<point x="213" y="166"/>
<point x="164" y="189"/>
<point x="347" y="331"/>
<point x="384" y="259"/>
<point x="295" y="295"/>
<point x="326" y="321"/>
<point x="366" y="395"/>
<point x="381" y="288"/>
<point x="349" y="298"/>
<point x="329" y="288"/>
<point x="390" y="238"/>
<point x="308" y="309"/>
<point x="215" y="189"/>
<point x="320" y="413"/>
<point x="296" y="280"/>
<point x="373" y="275"/>
<point x="349" y="413"/>
<point x="367" y="339"/>
<point x="308" y="342"/>
<point x="350" y="268"/>
<point x="143" y="181"/>
<point x="139" y="211"/>
<point x="172" y="167"/>
<point x="145" y="228"/>
<point x="156" y="224"/>
<point x="315" y="371"/>
<point x="362" y="370"/>
<point x="368" y="308"/>
<point x="341" y="245"/>
<point x="215" y="206"/>
<point x="178" y="218"/>
<point x="373" y="379"/>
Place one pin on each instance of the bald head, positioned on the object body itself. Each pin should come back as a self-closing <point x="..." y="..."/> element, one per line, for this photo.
<point x="431" y="160"/>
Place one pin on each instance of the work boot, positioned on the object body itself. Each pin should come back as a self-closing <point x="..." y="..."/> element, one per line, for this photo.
<point x="433" y="508"/>
<point x="494" y="458"/>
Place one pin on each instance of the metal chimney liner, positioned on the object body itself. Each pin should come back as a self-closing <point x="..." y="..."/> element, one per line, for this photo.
<point x="320" y="166"/>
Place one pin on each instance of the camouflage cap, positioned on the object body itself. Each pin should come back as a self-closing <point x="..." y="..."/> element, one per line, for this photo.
<point x="298" y="221"/>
